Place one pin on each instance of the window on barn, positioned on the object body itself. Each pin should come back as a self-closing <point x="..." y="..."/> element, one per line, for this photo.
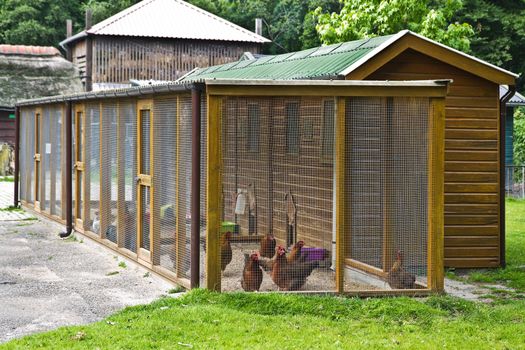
<point x="292" y="128"/>
<point x="327" y="149"/>
<point x="254" y="128"/>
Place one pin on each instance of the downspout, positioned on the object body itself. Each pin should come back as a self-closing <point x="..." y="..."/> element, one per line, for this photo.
<point x="17" y="154"/>
<point x="69" y="171"/>
<point x="195" y="186"/>
<point x="502" y="110"/>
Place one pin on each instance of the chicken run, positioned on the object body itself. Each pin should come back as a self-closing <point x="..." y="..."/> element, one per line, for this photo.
<point x="303" y="186"/>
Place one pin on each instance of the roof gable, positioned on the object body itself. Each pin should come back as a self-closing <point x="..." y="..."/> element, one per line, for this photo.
<point x="351" y="60"/>
<point x="172" y="19"/>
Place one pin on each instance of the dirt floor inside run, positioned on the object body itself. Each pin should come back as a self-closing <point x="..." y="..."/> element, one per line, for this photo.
<point x="321" y="279"/>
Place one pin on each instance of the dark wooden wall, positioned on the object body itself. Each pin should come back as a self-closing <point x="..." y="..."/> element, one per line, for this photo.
<point x="119" y="59"/>
<point x="275" y="172"/>
<point x="7" y="127"/>
<point x="471" y="157"/>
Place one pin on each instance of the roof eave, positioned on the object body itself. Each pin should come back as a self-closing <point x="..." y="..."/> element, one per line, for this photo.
<point x="72" y="39"/>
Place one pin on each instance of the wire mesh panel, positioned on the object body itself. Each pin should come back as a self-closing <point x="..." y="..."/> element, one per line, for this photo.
<point x="386" y="191"/>
<point x="92" y="168"/>
<point x="45" y="159"/>
<point x="203" y="188"/>
<point x="277" y="189"/>
<point x="164" y="182"/>
<point x="127" y="185"/>
<point x="109" y="168"/>
<point x="24" y="149"/>
<point x="58" y="158"/>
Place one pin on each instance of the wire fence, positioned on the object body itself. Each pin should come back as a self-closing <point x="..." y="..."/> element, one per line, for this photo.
<point x="515" y="181"/>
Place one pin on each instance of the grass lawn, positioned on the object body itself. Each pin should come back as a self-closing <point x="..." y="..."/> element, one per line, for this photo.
<point x="514" y="274"/>
<point x="206" y="320"/>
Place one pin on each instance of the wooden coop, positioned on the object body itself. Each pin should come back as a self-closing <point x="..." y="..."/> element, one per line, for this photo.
<point x="474" y="128"/>
<point x="311" y="186"/>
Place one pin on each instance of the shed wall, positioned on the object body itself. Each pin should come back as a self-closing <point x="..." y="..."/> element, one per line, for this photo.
<point x="471" y="157"/>
<point x="7" y="127"/>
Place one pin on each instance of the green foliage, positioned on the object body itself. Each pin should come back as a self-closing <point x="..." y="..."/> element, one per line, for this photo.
<point x="103" y="9"/>
<point x="519" y="136"/>
<point x="499" y="32"/>
<point x="368" y="18"/>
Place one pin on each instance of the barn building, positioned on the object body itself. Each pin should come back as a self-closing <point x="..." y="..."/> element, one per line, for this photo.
<point x="156" y="40"/>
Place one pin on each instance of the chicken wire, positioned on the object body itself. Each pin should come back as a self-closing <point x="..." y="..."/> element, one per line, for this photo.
<point x="127" y="185"/>
<point x="277" y="180"/>
<point x="386" y="193"/>
<point x="109" y="171"/>
<point x="27" y="152"/>
<point x="91" y="171"/>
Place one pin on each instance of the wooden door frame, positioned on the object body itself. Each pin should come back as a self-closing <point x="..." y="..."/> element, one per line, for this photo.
<point x="79" y="135"/>
<point x="144" y="180"/>
<point x="37" y="120"/>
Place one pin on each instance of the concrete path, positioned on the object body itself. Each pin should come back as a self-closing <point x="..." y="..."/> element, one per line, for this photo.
<point x="6" y="201"/>
<point x="46" y="282"/>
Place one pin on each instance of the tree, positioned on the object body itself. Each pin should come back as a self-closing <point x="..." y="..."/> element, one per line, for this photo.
<point x="368" y="18"/>
<point x="35" y="22"/>
<point x="519" y="136"/>
<point x="103" y="9"/>
<point x="499" y="33"/>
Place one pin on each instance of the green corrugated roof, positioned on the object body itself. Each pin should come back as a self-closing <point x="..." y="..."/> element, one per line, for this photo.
<point x="317" y="63"/>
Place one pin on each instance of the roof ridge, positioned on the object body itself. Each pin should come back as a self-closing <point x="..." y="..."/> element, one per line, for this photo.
<point x="124" y="13"/>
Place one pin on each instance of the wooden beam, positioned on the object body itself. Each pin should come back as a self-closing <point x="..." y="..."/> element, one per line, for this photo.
<point x="214" y="193"/>
<point x="340" y="178"/>
<point x="324" y="90"/>
<point x="436" y="157"/>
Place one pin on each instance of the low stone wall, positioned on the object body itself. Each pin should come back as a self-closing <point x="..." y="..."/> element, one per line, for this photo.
<point x="7" y="159"/>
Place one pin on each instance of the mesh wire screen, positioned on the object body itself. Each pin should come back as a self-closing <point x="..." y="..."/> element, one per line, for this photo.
<point x="58" y="161"/>
<point x="276" y="180"/>
<point x="26" y="156"/>
<point x="127" y="186"/>
<point x="92" y="168"/>
<point x="144" y="169"/>
<point x="109" y="171"/>
<point x="386" y="193"/>
<point x="45" y="156"/>
<point x="203" y="198"/>
<point x="164" y="181"/>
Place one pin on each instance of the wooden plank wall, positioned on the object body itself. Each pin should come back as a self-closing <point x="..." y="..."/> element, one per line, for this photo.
<point x="471" y="158"/>
<point x="7" y="128"/>
<point x="79" y="58"/>
<point x="274" y="171"/>
<point x="119" y="59"/>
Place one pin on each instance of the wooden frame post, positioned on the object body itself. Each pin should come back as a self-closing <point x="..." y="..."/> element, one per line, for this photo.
<point x="17" y="156"/>
<point x="436" y="164"/>
<point x="214" y="193"/>
<point x="340" y="232"/>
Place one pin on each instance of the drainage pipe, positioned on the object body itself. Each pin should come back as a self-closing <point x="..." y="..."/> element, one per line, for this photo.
<point x="502" y="110"/>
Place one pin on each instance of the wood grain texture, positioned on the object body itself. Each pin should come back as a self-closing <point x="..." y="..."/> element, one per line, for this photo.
<point x="472" y="160"/>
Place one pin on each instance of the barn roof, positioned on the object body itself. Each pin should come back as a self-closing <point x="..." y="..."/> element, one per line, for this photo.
<point x="340" y="60"/>
<point x="172" y="19"/>
<point x="34" y="71"/>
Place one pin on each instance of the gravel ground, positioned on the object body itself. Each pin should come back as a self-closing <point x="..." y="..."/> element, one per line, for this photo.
<point x="46" y="282"/>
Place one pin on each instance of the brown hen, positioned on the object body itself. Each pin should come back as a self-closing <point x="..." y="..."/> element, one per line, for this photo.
<point x="290" y="275"/>
<point x="268" y="244"/>
<point x="226" y="250"/>
<point x="252" y="274"/>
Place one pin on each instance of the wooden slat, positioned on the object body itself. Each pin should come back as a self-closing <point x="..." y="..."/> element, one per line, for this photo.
<point x="436" y="156"/>
<point x="477" y="262"/>
<point x="463" y="123"/>
<point x="463" y="252"/>
<point x="471" y="241"/>
<point x="475" y="113"/>
<point x="471" y="155"/>
<point x="468" y="198"/>
<point x="458" y="230"/>
<point x="471" y="188"/>
<point x="471" y="209"/>
<point x="471" y="134"/>
<point x="214" y="193"/>
<point x="471" y="220"/>
<point x="340" y="207"/>
<point x="471" y="166"/>
<point x="471" y="144"/>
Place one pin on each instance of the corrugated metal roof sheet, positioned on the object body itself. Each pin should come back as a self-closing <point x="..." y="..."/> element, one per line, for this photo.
<point x="326" y="62"/>
<point x="29" y="50"/>
<point x="172" y="19"/>
<point x="321" y="62"/>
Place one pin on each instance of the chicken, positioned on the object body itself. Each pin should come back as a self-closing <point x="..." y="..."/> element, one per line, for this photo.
<point x="397" y="277"/>
<point x="296" y="253"/>
<point x="290" y="275"/>
<point x="226" y="250"/>
<point x="252" y="274"/>
<point x="268" y="244"/>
